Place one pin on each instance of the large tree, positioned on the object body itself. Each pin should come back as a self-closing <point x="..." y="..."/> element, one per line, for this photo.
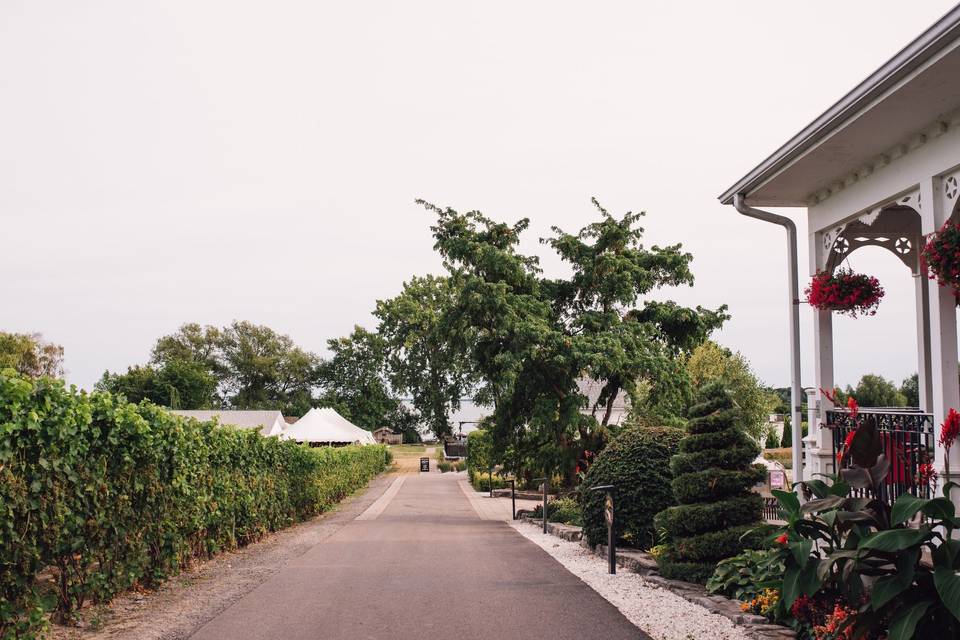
<point x="710" y="363"/>
<point x="240" y="366"/>
<point x="532" y="338"/>
<point x="178" y="384"/>
<point x="435" y="373"/>
<point x="353" y="381"/>
<point x="30" y="355"/>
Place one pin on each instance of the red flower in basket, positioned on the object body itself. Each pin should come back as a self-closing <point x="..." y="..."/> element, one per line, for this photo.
<point x="845" y="292"/>
<point x="941" y="257"/>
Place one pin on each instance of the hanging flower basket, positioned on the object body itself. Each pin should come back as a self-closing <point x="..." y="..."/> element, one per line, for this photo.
<point x="941" y="256"/>
<point x="845" y="292"/>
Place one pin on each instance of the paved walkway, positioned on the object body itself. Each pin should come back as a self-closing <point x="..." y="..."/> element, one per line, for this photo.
<point x="420" y="562"/>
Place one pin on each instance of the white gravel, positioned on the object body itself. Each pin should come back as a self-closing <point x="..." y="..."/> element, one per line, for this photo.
<point x="660" y="613"/>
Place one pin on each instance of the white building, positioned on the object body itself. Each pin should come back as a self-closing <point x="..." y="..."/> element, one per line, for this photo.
<point x="879" y="168"/>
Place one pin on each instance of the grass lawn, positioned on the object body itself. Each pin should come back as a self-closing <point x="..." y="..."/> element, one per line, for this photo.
<point x="403" y="450"/>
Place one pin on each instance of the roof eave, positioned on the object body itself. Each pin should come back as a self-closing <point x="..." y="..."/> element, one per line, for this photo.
<point x="907" y="60"/>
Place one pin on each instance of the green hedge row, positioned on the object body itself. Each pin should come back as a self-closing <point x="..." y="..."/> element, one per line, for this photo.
<point x="101" y="494"/>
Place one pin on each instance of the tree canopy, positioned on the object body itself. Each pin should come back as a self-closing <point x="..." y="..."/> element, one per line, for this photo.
<point x="532" y="338"/>
<point x="240" y="366"/>
<point x="434" y="372"/>
<point x="710" y="363"/>
<point x="30" y="355"/>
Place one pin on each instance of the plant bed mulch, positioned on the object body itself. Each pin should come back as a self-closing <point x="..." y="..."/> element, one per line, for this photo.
<point x="644" y="564"/>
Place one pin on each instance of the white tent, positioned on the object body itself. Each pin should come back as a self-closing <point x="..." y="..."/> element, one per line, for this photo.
<point x="326" y="426"/>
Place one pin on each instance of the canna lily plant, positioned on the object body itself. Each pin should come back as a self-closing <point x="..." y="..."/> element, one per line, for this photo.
<point x="889" y="573"/>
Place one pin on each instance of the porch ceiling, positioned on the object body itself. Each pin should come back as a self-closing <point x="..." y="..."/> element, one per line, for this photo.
<point x="903" y="97"/>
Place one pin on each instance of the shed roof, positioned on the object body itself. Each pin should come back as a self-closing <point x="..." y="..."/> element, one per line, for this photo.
<point x="905" y="95"/>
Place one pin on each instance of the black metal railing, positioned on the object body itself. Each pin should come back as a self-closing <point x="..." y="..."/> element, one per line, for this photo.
<point x="907" y="439"/>
<point x="772" y="511"/>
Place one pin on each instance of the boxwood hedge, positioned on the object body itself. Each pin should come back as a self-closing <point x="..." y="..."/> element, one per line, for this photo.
<point x="101" y="494"/>
<point x="637" y="463"/>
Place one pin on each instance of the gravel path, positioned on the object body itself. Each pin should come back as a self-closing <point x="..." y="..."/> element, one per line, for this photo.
<point x="658" y="612"/>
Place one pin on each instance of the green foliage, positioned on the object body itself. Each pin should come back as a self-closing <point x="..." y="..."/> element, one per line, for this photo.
<point x="710" y="362"/>
<point x="772" y="442"/>
<point x="856" y="549"/>
<point x="636" y="463"/>
<point x="479" y="450"/>
<point x="178" y="384"/>
<point x="747" y="575"/>
<point x="710" y="483"/>
<point x="562" y="510"/>
<point x="481" y="481"/>
<point x="433" y="372"/>
<point x="30" y="355"/>
<point x="109" y="494"/>
<point x="877" y="391"/>
<point x="786" y="440"/>
<point x="241" y="366"/>
<point x="531" y="338"/>
<point x="354" y="383"/>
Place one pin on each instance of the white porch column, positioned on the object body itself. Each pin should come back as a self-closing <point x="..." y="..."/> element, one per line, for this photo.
<point x="925" y="389"/>
<point x="820" y="439"/>
<point x="945" y="390"/>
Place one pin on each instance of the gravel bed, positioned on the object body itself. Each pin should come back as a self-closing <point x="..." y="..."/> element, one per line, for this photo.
<point x="661" y="614"/>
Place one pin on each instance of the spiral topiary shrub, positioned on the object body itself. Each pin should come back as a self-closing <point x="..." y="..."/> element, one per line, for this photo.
<point x="637" y="462"/>
<point x="716" y="509"/>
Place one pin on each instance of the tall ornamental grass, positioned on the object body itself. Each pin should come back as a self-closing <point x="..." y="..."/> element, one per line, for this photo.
<point x="98" y="495"/>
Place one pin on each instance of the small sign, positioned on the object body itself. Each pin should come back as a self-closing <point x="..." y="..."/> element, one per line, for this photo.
<point x="778" y="479"/>
<point x="608" y="510"/>
<point x="424" y="465"/>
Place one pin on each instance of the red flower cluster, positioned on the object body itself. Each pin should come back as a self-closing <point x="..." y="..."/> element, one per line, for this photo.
<point x="950" y="429"/>
<point x="845" y="292"/>
<point x="782" y="539"/>
<point x="836" y="626"/>
<point x="941" y="256"/>
<point x="926" y="474"/>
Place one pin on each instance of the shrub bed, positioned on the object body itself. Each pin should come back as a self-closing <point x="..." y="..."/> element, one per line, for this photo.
<point x="637" y="463"/>
<point x="109" y="494"/>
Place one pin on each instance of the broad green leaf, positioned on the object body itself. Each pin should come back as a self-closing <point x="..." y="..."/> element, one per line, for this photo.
<point x="895" y="539"/>
<point x="788" y="501"/>
<point x="940" y="508"/>
<point x="905" y="621"/>
<point x="801" y="551"/>
<point x="947" y="582"/>
<point x="822" y="504"/>
<point x="791" y="586"/>
<point x="905" y="508"/>
<point x="889" y="587"/>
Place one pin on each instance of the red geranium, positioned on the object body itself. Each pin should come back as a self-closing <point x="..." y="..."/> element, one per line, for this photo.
<point x="845" y="292"/>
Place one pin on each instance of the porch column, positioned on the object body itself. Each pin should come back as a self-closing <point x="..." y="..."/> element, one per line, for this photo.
<point x="820" y="439"/>
<point x="925" y="389"/>
<point x="945" y="391"/>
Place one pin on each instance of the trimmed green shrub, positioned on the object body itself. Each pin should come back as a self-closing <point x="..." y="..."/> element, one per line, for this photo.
<point x="562" y="510"/>
<point x="108" y="494"/>
<point x="637" y="463"/>
<point x="712" y="486"/>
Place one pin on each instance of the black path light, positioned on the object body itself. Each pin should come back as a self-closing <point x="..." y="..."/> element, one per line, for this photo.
<point x="513" y="497"/>
<point x="608" y="515"/>
<point x="544" y="501"/>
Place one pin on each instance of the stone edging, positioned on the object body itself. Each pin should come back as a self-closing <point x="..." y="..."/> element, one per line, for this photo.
<point x="643" y="564"/>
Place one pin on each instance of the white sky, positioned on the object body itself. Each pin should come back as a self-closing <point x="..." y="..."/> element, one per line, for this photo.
<point x="166" y="162"/>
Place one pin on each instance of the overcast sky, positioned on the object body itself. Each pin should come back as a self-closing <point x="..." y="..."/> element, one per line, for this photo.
<point x="167" y="162"/>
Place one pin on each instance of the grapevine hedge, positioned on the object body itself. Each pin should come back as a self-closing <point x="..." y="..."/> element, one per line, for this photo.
<point x="97" y="495"/>
<point x="713" y="474"/>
